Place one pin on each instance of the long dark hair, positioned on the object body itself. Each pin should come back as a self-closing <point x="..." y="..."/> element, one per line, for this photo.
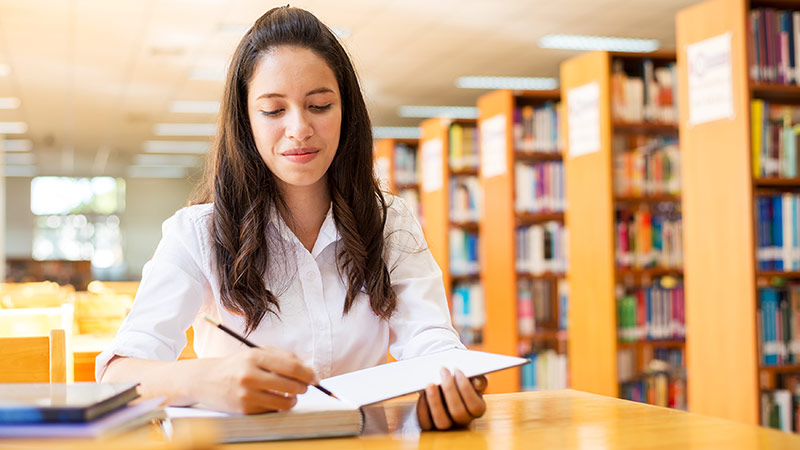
<point x="244" y="190"/>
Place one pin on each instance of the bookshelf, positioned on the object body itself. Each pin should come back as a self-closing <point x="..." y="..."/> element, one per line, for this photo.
<point x="504" y="152"/>
<point x="623" y="216"/>
<point x="396" y="164"/>
<point x="449" y="200"/>
<point x="725" y="276"/>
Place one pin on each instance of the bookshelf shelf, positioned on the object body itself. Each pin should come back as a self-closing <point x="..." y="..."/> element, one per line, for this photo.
<point x="465" y="277"/>
<point x="648" y="199"/>
<point x="401" y="186"/>
<point x="526" y="156"/>
<point x="645" y="127"/>
<point x="654" y="272"/>
<point x="784" y="368"/>
<point x="779" y="92"/>
<point x="545" y="335"/>
<point x="524" y="219"/>
<point x="466" y="171"/>
<point x="657" y="343"/>
<point x="467" y="226"/>
<point x="776" y="182"/>
<point x="397" y="162"/>
<point x="777" y="274"/>
<point x="542" y="276"/>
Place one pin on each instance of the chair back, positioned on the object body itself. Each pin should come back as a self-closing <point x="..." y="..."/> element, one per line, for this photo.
<point x="36" y="359"/>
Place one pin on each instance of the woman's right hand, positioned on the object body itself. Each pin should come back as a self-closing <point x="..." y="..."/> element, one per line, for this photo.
<point x="251" y="381"/>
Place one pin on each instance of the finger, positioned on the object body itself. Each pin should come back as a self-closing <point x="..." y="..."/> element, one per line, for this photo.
<point x="259" y="379"/>
<point x="254" y="401"/>
<point x="454" y="403"/>
<point x="423" y="413"/>
<point x="284" y="363"/>
<point x="480" y="383"/>
<point x="436" y="406"/>
<point x="471" y="396"/>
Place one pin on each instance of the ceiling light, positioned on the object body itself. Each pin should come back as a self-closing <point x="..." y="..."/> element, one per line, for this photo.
<point x="13" y="127"/>
<point x="199" y="107"/>
<point x="185" y="129"/>
<point x="16" y="145"/>
<point x="4" y="70"/>
<point x="395" y="132"/>
<point x="199" y="147"/>
<point x="20" y="171"/>
<point x="578" y="42"/>
<point x="233" y="28"/>
<point x="515" y="83"/>
<point x="208" y="73"/>
<point x="341" y="32"/>
<point x="19" y="159"/>
<point x="453" y="112"/>
<point x="167" y="160"/>
<point x="9" y="103"/>
<point x="156" y="172"/>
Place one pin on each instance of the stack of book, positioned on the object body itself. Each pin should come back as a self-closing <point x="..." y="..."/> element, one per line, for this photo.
<point x="78" y="410"/>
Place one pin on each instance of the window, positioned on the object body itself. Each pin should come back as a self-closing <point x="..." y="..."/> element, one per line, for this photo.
<point x="78" y="219"/>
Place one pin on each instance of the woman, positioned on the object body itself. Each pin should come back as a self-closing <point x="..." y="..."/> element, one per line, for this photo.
<point x="293" y="244"/>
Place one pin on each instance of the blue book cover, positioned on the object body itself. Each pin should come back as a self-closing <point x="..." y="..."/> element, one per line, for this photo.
<point x="777" y="232"/>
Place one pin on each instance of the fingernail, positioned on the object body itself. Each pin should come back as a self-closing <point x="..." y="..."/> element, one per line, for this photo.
<point x="444" y="373"/>
<point x="459" y="373"/>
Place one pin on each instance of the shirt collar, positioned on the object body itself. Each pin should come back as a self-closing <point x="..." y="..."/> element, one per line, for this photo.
<point x="328" y="233"/>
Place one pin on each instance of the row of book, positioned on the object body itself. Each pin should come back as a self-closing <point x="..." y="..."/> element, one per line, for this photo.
<point x="465" y="199"/>
<point x="539" y="188"/>
<point x="774" y="129"/>
<point x="541" y="248"/>
<point x="537" y="128"/>
<point x="780" y="408"/>
<point x="405" y="164"/>
<point x="659" y="378"/>
<point x="651" y="313"/>
<point x="463" y="149"/>
<point x="777" y="240"/>
<point x="411" y="196"/>
<point x="547" y="370"/>
<point x="649" y="239"/>
<point x="658" y="389"/>
<point x="463" y="252"/>
<point x="773" y="46"/>
<point x="644" y="93"/>
<point x="469" y="311"/>
<point x="539" y="307"/>
<point x="779" y="324"/>
<point x="646" y="165"/>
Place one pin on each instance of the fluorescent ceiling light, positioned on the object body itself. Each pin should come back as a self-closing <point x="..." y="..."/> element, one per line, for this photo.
<point x="578" y="42"/>
<point x="515" y="83"/>
<point x="20" y="171"/>
<point x="167" y="160"/>
<point x="198" y="147"/>
<point x="16" y="145"/>
<point x="185" y="129"/>
<point x="233" y="28"/>
<point x="19" y="159"/>
<point x="9" y="103"/>
<point x="341" y="32"/>
<point x="156" y="172"/>
<point x="4" y="70"/>
<point x="208" y="73"/>
<point x="199" y="107"/>
<point x="13" y="127"/>
<point x="395" y="132"/>
<point x="453" y="112"/>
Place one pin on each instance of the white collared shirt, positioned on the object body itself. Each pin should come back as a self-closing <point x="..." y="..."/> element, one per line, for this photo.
<point x="179" y="284"/>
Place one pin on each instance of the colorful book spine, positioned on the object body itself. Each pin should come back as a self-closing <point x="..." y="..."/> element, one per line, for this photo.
<point x="406" y="168"/>
<point x="775" y="129"/>
<point x="536" y="128"/>
<point x="539" y="188"/>
<point x="644" y="92"/>
<point x="647" y="239"/>
<point x="646" y="165"/>
<point x="465" y="198"/>
<point x="778" y="232"/>
<point x="547" y="370"/>
<point x="652" y="313"/>
<point x="542" y="248"/>
<point x="469" y="312"/>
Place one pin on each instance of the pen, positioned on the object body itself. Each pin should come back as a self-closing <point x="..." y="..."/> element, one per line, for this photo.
<point x="249" y="343"/>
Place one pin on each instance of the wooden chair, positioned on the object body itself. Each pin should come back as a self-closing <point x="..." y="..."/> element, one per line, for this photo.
<point x="38" y="359"/>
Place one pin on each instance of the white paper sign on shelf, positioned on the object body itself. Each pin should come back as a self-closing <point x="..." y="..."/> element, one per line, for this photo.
<point x="493" y="146"/>
<point x="382" y="168"/>
<point x="432" y="165"/>
<point x="583" y="110"/>
<point x="710" y="79"/>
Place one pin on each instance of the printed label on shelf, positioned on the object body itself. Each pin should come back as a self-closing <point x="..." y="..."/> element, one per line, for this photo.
<point x="493" y="146"/>
<point x="583" y="111"/>
<point x="432" y="165"/>
<point x="710" y="80"/>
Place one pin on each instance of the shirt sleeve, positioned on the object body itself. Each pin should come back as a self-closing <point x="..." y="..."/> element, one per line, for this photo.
<point x="421" y="324"/>
<point x="172" y="291"/>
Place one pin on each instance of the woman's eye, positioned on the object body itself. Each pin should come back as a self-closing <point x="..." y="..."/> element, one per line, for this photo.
<point x="321" y="107"/>
<point x="272" y="113"/>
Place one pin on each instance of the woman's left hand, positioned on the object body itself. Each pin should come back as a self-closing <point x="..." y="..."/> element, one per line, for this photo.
<point x="455" y="403"/>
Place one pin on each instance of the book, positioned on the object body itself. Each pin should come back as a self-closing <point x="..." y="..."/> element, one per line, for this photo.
<point x="122" y="419"/>
<point x="317" y="415"/>
<point x="59" y="402"/>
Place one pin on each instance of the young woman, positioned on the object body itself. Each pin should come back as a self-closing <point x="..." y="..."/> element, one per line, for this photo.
<point x="293" y="244"/>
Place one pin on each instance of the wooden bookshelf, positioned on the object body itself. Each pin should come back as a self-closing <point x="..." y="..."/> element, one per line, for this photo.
<point x="385" y="157"/>
<point x="593" y="202"/>
<point x="719" y="227"/>
<point x="500" y="221"/>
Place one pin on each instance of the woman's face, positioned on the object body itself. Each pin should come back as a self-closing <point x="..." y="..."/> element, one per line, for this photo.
<point x="295" y="112"/>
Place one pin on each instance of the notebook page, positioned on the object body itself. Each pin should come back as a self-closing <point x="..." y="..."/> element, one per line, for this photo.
<point x="375" y="384"/>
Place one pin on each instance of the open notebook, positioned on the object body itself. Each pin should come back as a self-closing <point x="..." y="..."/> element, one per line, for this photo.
<point x="317" y="415"/>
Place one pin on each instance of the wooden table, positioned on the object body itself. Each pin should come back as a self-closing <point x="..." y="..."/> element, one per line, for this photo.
<point x="536" y="420"/>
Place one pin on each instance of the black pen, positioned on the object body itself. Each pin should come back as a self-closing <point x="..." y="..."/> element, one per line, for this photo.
<point x="249" y="343"/>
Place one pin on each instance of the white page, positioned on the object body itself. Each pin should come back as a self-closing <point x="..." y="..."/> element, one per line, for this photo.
<point x="375" y="384"/>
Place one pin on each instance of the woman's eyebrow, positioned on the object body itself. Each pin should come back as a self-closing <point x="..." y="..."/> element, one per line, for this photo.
<point x="322" y="90"/>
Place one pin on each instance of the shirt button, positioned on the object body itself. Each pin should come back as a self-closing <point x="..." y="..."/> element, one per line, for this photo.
<point x="309" y="276"/>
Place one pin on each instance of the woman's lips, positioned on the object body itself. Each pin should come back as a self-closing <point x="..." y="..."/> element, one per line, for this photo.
<point x="300" y="155"/>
